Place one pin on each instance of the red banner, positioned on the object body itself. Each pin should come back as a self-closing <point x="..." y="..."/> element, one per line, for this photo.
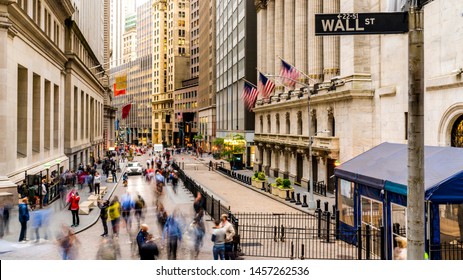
<point x="126" y="110"/>
<point x="118" y="92"/>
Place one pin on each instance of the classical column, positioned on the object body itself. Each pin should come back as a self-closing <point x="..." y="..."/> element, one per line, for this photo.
<point x="279" y="40"/>
<point x="299" y="40"/>
<point x="314" y="43"/>
<point x="261" y="35"/>
<point x="305" y="170"/>
<point x="290" y="25"/>
<point x="276" y="160"/>
<point x="5" y="106"/>
<point x="282" y="170"/>
<point x="292" y="163"/>
<point x="330" y="45"/>
<point x="270" y="37"/>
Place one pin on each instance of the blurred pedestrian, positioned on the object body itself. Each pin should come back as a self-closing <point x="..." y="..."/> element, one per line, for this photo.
<point x="139" y="209"/>
<point x="68" y="242"/>
<point x="127" y="204"/>
<point x="229" y="236"/>
<point x="113" y="172"/>
<point x="173" y="234"/>
<point x="114" y="212"/>
<point x="23" y="210"/>
<point x="197" y="233"/>
<point x="161" y="215"/>
<point x="197" y="204"/>
<point x="103" y="205"/>
<point x="40" y="219"/>
<point x="6" y="218"/>
<point x="97" y="182"/>
<point x="108" y="249"/>
<point x="174" y="180"/>
<point x="44" y="192"/>
<point x="142" y="236"/>
<point x="218" y="237"/>
<point x="74" y="207"/>
<point x="149" y="251"/>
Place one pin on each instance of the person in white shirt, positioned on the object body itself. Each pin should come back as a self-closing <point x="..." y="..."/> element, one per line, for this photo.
<point x="218" y="237"/>
<point x="97" y="182"/>
<point x="229" y="234"/>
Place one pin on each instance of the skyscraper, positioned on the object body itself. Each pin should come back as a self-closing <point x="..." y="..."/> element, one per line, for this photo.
<point x="236" y="61"/>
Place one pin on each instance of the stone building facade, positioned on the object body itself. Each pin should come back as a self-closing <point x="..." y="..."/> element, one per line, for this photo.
<point x="52" y="102"/>
<point x="357" y="86"/>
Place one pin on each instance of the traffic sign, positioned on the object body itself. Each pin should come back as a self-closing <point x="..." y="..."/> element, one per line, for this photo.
<point x="361" y="23"/>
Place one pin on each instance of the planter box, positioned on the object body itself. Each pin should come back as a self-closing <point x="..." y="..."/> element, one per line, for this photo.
<point x="260" y="184"/>
<point x="254" y="183"/>
<point x="275" y="190"/>
<point x="282" y="192"/>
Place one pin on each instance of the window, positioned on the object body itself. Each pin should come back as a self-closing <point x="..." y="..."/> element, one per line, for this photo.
<point x="269" y="126"/>
<point x="288" y="124"/>
<point x="299" y="123"/>
<point x="399" y="222"/>
<point x="346" y="202"/>
<point x="277" y="123"/>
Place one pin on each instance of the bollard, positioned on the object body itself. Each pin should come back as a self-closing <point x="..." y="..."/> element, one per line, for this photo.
<point x="298" y="202"/>
<point x="326" y="206"/>
<point x="334" y="212"/>
<point x="318" y="203"/>
<point x="287" y="196"/>
<point x="292" y="198"/>
<point x="304" y="198"/>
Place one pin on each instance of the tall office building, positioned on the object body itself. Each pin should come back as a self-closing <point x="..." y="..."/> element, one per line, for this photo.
<point x="185" y="97"/>
<point x="236" y="61"/>
<point x="138" y="69"/>
<point x="170" y="60"/>
<point x="207" y="74"/>
<point x="118" y="11"/>
<point x="129" y="39"/>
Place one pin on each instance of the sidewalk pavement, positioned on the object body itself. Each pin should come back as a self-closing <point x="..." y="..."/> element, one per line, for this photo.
<point x="330" y="198"/>
<point x="58" y="215"/>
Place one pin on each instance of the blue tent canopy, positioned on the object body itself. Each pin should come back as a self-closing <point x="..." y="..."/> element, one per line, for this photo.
<point x="385" y="167"/>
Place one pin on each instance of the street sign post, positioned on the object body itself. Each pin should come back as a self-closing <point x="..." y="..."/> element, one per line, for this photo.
<point x="361" y="23"/>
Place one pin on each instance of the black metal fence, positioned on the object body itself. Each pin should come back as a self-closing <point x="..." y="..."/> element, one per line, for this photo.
<point x="447" y="251"/>
<point x="213" y="207"/>
<point x="305" y="236"/>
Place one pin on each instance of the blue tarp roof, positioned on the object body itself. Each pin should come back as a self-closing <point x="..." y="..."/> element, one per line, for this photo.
<point x="385" y="167"/>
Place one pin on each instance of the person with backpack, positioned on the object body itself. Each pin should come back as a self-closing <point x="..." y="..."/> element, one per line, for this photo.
<point x="139" y="208"/>
<point x="127" y="204"/>
<point x="103" y="205"/>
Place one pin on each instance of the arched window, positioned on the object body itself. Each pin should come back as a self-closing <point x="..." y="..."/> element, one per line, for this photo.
<point x="288" y="123"/>
<point x="457" y="133"/>
<point x="299" y="123"/>
<point x="277" y="123"/>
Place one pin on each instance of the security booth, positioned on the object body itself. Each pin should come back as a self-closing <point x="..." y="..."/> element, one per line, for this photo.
<point x="371" y="189"/>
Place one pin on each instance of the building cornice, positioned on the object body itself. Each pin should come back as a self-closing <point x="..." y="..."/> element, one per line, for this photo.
<point x="62" y="9"/>
<point x="75" y="64"/>
<point x="23" y="26"/>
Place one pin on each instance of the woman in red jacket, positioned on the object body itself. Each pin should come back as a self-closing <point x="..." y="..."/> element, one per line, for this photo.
<point x="75" y="198"/>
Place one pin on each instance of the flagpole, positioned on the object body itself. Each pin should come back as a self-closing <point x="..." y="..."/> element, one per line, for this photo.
<point x="304" y="74"/>
<point x="250" y="82"/>
<point x="279" y="83"/>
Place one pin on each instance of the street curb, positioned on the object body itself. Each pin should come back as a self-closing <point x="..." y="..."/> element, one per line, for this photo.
<point x="98" y="216"/>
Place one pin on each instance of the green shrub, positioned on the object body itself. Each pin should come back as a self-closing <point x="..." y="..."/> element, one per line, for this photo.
<point x="261" y="176"/>
<point x="286" y="183"/>
<point x="256" y="175"/>
<point x="279" y="181"/>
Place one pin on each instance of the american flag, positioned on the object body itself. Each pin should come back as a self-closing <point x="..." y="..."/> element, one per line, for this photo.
<point x="266" y="86"/>
<point x="289" y="74"/>
<point x="249" y="95"/>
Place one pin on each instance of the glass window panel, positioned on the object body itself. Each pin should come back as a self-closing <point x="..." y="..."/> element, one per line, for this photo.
<point x="346" y="202"/>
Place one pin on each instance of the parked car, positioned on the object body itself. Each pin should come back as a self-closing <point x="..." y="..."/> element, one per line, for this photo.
<point x="134" y="167"/>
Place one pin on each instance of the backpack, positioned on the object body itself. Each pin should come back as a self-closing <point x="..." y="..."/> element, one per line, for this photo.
<point x="140" y="203"/>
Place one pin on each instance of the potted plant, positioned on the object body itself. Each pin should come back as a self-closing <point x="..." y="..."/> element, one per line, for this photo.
<point x="254" y="179"/>
<point x="285" y="186"/>
<point x="275" y="186"/>
<point x="261" y="180"/>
